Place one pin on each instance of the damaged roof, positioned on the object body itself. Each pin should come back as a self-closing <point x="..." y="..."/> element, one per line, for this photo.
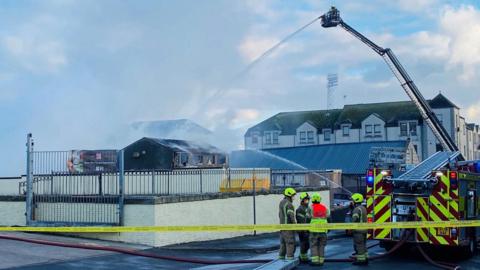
<point x="184" y="146"/>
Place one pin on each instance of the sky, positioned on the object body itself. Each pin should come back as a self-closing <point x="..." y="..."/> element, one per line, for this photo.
<point x="76" y="74"/>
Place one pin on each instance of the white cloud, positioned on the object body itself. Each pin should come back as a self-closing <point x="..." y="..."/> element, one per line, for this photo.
<point x="35" y="53"/>
<point x="252" y="47"/>
<point x="462" y="25"/>
<point x="262" y="8"/>
<point x="473" y="113"/>
<point x="415" y="5"/>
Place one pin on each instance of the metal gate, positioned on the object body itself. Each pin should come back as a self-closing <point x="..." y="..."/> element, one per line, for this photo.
<point x="74" y="188"/>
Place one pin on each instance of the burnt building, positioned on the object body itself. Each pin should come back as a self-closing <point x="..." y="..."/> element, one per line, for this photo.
<point x="168" y="154"/>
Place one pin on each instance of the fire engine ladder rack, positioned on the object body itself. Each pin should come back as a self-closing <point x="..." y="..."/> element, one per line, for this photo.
<point x="424" y="169"/>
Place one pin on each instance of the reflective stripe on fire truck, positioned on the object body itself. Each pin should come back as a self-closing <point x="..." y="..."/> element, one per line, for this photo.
<point x="443" y="207"/>
<point x="379" y="205"/>
<point x="382" y="209"/>
<point x="422" y="215"/>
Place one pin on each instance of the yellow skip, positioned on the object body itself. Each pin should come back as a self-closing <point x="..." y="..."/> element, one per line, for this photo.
<point x="269" y="227"/>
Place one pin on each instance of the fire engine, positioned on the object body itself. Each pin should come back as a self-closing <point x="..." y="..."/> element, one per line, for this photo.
<point x="441" y="188"/>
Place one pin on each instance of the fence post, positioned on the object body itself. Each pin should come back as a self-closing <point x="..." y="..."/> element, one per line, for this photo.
<point x="201" y="180"/>
<point x="254" y="202"/>
<point x="153" y="182"/>
<point x="100" y="188"/>
<point x="168" y="182"/>
<point x="29" y="174"/>
<point x="121" y="186"/>
<point x="229" y="177"/>
<point x="272" y="183"/>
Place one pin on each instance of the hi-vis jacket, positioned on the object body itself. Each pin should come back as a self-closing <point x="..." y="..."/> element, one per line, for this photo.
<point x="320" y="214"/>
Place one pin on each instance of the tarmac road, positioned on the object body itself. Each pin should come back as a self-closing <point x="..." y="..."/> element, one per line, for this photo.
<point x="406" y="259"/>
<point x="19" y="255"/>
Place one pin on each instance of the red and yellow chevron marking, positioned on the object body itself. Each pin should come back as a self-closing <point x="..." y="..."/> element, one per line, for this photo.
<point x="370" y="214"/>
<point x="422" y="234"/>
<point x="443" y="207"/>
<point x="382" y="213"/>
<point x="379" y="205"/>
<point x="382" y="187"/>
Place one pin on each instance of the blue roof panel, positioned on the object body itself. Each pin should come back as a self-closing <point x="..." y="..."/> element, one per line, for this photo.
<point x="351" y="158"/>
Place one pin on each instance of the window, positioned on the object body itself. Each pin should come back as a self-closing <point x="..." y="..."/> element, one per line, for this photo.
<point x="303" y="137"/>
<point x="310" y="137"/>
<point x="275" y="138"/>
<point x="377" y="129"/>
<point x="403" y="129"/>
<point x="368" y="130"/>
<point x="327" y="133"/>
<point x="412" y="128"/>
<point x="345" y="130"/>
<point x="416" y="148"/>
<point x="268" y="138"/>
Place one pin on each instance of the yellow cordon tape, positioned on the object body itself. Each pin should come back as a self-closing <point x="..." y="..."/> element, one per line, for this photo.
<point x="270" y="227"/>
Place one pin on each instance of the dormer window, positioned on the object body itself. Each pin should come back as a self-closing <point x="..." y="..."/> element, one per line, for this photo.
<point x="271" y="137"/>
<point x="327" y="134"/>
<point x="310" y="138"/>
<point x="368" y="130"/>
<point x="268" y="138"/>
<point x="377" y="129"/>
<point x="408" y="128"/>
<point x="303" y="137"/>
<point x="274" y="137"/>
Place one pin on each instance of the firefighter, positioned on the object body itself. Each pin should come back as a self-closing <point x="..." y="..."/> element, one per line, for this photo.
<point x="318" y="237"/>
<point x="359" y="215"/>
<point x="304" y="215"/>
<point x="286" y="213"/>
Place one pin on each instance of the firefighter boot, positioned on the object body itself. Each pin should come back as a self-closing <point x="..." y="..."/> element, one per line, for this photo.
<point x="303" y="258"/>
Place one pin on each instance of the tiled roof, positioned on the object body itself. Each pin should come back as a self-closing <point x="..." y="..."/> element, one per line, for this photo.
<point x="390" y="112"/>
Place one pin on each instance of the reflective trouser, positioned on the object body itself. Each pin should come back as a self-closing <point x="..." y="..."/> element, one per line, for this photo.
<point x="304" y="236"/>
<point x="360" y="245"/>
<point x="287" y="245"/>
<point x="318" y="241"/>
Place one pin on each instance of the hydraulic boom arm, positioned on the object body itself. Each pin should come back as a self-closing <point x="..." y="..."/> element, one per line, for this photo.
<point x="332" y="19"/>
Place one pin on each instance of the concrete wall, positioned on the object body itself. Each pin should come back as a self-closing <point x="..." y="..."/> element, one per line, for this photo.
<point x="234" y="210"/>
<point x="12" y="213"/>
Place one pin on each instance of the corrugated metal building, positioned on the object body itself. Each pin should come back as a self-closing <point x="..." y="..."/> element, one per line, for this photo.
<point x="353" y="159"/>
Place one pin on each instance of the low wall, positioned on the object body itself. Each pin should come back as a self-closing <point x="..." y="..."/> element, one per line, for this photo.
<point x="222" y="209"/>
<point x="12" y="212"/>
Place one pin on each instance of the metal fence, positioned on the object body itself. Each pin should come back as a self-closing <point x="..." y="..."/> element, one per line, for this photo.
<point x="90" y="187"/>
<point x="63" y="189"/>
<point x="302" y="178"/>
<point x="150" y="183"/>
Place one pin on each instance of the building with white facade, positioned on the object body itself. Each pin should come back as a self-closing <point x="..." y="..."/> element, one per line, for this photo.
<point x="388" y="121"/>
